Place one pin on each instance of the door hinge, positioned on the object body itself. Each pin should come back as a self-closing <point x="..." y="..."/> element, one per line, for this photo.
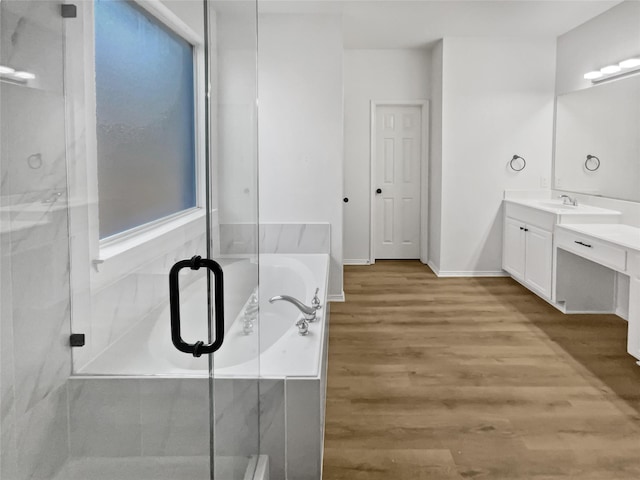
<point x="77" y="340"/>
<point x="68" y="10"/>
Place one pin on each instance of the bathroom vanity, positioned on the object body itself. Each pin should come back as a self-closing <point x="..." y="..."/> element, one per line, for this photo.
<point x="570" y="256"/>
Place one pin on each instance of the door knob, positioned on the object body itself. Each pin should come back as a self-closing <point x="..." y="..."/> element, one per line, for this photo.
<point x="378" y="191"/>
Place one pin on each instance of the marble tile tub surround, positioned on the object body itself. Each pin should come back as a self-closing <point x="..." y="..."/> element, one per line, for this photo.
<point x="239" y="239"/>
<point x="169" y="417"/>
<point x="114" y="310"/>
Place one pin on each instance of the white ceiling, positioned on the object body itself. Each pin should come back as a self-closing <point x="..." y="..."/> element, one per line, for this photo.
<point x="417" y="24"/>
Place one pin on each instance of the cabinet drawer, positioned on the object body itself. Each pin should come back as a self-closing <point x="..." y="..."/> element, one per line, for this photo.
<point x="595" y="250"/>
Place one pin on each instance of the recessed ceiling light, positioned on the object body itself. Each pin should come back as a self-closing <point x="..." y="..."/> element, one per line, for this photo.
<point x="24" y="75"/>
<point x="609" y="69"/>
<point x="6" y="70"/>
<point x="630" y="63"/>
<point x="592" y="75"/>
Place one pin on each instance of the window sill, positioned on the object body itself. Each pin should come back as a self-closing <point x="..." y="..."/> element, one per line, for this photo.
<point x="122" y="256"/>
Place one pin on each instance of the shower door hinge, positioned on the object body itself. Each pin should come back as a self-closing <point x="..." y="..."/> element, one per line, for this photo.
<point x="76" y="340"/>
<point x="68" y="10"/>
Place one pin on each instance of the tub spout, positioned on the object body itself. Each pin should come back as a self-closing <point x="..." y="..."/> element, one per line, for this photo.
<point x="309" y="313"/>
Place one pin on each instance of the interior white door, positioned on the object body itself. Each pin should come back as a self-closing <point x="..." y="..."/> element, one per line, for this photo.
<point x="397" y="174"/>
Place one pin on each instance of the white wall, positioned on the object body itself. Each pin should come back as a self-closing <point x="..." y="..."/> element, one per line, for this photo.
<point x="497" y="101"/>
<point x="608" y="38"/>
<point x="435" y="158"/>
<point x="300" y="125"/>
<point x="383" y="75"/>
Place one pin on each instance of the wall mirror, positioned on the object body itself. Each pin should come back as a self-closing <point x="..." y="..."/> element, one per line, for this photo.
<point x="597" y="141"/>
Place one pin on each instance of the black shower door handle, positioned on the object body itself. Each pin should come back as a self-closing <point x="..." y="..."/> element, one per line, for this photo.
<point x="198" y="348"/>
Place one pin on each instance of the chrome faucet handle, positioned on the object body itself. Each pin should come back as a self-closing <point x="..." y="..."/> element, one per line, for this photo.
<point x="253" y="299"/>
<point x="303" y="327"/>
<point x="315" y="302"/>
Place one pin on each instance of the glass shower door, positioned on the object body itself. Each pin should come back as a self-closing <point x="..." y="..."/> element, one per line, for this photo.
<point x="120" y="157"/>
<point x="232" y="32"/>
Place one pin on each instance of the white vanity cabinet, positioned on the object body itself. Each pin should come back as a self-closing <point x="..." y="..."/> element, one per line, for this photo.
<point x="614" y="246"/>
<point x="528" y="249"/>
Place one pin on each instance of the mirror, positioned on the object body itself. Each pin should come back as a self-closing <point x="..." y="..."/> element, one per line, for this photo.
<point x="602" y="123"/>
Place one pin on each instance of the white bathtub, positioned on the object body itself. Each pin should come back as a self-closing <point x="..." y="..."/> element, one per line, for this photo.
<point x="273" y="350"/>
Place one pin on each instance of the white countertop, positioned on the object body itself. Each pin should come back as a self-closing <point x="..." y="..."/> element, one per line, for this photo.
<point x="619" y="234"/>
<point x="557" y="207"/>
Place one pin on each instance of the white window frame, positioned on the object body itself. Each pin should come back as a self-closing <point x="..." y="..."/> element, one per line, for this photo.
<point x="117" y="255"/>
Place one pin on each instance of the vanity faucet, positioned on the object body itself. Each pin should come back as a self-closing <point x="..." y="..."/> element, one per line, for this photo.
<point x="567" y="200"/>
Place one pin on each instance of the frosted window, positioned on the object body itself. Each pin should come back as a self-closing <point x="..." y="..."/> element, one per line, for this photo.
<point x="145" y="118"/>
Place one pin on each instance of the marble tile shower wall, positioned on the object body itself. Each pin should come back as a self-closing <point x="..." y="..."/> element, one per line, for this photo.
<point x="34" y="322"/>
<point x="34" y="331"/>
<point x="239" y="239"/>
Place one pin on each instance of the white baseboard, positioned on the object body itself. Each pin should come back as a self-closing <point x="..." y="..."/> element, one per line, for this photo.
<point x="469" y="273"/>
<point x="622" y="313"/>
<point x="589" y="312"/>
<point x="336" y="298"/>
<point x="433" y="267"/>
<point x="357" y="261"/>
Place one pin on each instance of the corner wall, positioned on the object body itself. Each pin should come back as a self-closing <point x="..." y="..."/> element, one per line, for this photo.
<point x="435" y="159"/>
<point x="300" y="125"/>
<point x="497" y="101"/>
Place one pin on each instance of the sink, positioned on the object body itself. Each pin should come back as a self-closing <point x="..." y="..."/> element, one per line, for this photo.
<point x="570" y="211"/>
<point x="557" y="205"/>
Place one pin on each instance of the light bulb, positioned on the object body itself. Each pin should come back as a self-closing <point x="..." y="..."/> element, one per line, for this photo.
<point x="24" y="75"/>
<point x="630" y="63"/>
<point x="6" y="70"/>
<point x="609" y="69"/>
<point x="592" y="75"/>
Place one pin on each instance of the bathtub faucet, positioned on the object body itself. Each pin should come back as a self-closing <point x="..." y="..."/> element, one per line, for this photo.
<point x="309" y="313"/>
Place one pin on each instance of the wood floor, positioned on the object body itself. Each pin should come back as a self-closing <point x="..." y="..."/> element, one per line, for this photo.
<point x="470" y="378"/>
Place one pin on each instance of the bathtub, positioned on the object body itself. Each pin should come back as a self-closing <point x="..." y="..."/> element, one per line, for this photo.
<point x="273" y="350"/>
<point x="142" y="376"/>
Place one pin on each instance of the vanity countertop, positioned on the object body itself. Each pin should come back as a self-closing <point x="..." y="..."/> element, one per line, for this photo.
<point x="558" y="208"/>
<point x="619" y="234"/>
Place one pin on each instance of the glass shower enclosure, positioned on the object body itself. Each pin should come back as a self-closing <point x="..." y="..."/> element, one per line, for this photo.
<point x="128" y="240"/>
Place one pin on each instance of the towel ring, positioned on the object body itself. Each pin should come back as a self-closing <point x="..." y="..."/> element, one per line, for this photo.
<point x="516" y="157"/>
<point x="586" y="163"/>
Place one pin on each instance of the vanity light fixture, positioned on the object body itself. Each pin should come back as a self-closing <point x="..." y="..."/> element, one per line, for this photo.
<point x="625" y="67"/>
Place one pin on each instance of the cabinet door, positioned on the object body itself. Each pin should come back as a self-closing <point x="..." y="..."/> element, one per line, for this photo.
<point x="539" y="250"/>
<point x="514" y="248"/>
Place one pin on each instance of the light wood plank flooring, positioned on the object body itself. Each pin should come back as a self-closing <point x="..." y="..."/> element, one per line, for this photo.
<point x="470" y="378"/>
